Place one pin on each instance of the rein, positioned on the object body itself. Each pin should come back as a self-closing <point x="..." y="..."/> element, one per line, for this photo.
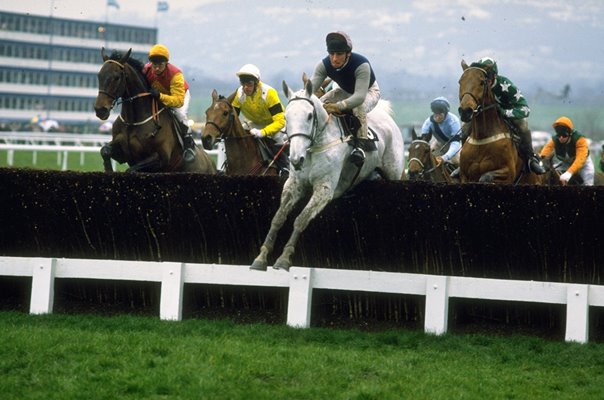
<point x="424" y="171"/>
<point x="230" y="126"/>
<point x="320" y="147"/>
<point x="155" y="111"/>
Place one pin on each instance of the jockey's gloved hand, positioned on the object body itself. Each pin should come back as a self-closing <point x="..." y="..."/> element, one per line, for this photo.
<point x="154" y="92"/>
<point x="565" y="177"/>
<point x="256" y="132"/>
<point x="332" y="108"/>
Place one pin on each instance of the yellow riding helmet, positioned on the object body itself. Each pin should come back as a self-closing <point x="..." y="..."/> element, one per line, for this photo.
<point x="563" y="121"/>
<point x="159" y="51"/>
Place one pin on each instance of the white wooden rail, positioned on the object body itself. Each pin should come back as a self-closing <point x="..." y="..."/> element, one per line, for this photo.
<point x="301" y="282"/>
<point x="65" y="143"/>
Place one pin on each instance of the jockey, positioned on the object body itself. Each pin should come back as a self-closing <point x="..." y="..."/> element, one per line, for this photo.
<point x="570" y="149"/>
<point x="357" y="89"/>
<point x="168" y="85"/>
<point x="444" y="128"/>
<point x="513" y="107"/>
<point x="263" y="113"/>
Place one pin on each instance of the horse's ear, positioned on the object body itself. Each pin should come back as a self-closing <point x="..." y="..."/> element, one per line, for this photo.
<point x="103" y="55"/>
<point x="214" y="95"/>
<point x="287" y="91"/>
<point x="464" y="65"/>
<point x="126" y="56"/>
<point x="308" y="87"/>
<point x="413" y="134"/>
<point x="304" y="78"/>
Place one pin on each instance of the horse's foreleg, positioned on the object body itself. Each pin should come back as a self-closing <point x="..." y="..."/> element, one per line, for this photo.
<point x="322" y="195"/>
<point x="106" y="152"/>
<point x="292" y="193"/>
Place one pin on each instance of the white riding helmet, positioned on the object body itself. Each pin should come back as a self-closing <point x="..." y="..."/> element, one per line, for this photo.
<point x="249" y="70"/>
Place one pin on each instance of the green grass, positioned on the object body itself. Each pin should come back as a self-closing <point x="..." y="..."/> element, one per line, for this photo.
<point x="132" y="357"/>
<point x="51" y="161"/>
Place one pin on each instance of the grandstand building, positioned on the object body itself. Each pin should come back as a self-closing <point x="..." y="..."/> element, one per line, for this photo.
<point x="49" y="66"/>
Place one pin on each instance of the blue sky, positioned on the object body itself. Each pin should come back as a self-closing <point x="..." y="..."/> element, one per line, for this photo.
<point x="537" y="43"/>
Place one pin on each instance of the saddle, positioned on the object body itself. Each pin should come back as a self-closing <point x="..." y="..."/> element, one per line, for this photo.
<point x="351" y="126"/>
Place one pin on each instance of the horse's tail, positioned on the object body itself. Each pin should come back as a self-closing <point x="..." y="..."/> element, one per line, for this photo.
<point x="386" y="106"/>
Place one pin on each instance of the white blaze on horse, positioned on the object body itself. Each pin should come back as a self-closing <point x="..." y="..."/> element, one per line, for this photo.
<point x="319" y="157"/>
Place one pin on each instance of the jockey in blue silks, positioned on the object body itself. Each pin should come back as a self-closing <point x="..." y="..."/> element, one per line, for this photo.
<point x="444" y="127"/>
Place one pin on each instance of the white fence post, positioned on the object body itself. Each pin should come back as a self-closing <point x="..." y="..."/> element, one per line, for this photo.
<point x="171" y="292"/>
<point x="300" y="297"/>
<point x="577" y="313"/>
<point x="301" y="282"/>
<point x="43" y="286"/>
<point x="437" y="304"/>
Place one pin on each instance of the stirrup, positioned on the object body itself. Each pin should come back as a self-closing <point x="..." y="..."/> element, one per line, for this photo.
<point x="188" y="155"/>
<point x="357" y="157"/>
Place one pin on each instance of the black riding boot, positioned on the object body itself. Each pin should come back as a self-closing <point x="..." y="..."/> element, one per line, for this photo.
<point x="362" y="142"/>
<point x="527" y="152"/>
<point x="188" y="144"/>
<point x="189" y="148"/>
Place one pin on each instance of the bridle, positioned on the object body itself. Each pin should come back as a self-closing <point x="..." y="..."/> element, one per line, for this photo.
<point x="312" y="136"/>
<point x="229" y="126"/>
<point x="116" y="98"/>
<point x="315" y="122"/>
<point x="480" y="108"/>
<point x="423" y="171"/>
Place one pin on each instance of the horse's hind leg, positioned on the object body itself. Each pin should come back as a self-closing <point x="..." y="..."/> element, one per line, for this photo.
<point x="292" y="193"/>
<point x="322" y="195"/>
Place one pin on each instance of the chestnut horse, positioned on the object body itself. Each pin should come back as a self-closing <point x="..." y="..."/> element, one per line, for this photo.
<point x="489" y="154"/>
<point x="144" y="134"/>
<point x="243" y="151"/>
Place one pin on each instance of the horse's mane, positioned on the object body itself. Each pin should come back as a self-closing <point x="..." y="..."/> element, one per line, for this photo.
<point x="136" y="64"/>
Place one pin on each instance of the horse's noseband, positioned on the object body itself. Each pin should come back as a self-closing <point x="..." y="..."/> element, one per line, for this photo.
<point x="315" y="123"/>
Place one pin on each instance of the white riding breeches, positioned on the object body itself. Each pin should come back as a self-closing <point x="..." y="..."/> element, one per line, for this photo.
<point x="182" y="112"/>
<point x="587" y="173"/>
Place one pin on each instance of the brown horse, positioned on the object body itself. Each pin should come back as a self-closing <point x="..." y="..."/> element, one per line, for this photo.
<point x="422" y="162"/>
<point x="144" y="134"/>
<point x="489" y="154"/>
<point x="244" y="153"/>
<point x="552" y="175"/>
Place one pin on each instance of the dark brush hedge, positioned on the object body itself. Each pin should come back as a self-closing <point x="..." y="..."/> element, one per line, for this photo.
<point x="503" y="231"/>
<point x="513" y="232"/>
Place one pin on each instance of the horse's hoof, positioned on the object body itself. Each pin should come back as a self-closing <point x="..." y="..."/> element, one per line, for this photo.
<point x="258" y="265"/>
<point x="282" y="264"/>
